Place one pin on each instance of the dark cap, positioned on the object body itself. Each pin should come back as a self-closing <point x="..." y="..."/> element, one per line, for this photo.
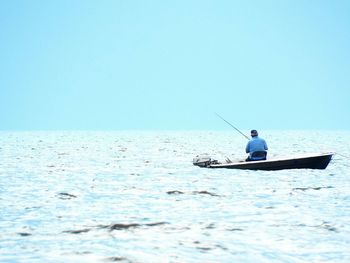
<point x="254" y="132"/>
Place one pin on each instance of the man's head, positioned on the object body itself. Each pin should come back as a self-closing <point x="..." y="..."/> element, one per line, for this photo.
<point x="254" y="133"/>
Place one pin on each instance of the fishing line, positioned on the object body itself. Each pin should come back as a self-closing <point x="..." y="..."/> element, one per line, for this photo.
<point x="342" y="155"/>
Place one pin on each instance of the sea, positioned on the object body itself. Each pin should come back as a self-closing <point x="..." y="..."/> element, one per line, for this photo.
<point x="135" y="196"/>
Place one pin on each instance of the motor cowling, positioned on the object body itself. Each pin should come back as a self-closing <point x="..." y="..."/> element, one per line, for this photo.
<point x="204" y="161"/>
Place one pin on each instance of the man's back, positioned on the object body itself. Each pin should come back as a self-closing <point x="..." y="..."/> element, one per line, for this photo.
<point x="256" y="144"/>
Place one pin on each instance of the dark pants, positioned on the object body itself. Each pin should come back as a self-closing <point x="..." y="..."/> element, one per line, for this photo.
<point x="257" y="156"/>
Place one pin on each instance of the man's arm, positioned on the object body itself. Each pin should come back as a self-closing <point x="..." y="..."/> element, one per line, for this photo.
<point x="247" y="150"/>
<point x="265" y="145"/>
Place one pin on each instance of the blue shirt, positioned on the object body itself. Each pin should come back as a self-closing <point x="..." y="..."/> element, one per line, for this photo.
<point x="256" y="144"/>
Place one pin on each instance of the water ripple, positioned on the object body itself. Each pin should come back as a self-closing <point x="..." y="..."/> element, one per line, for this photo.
<point x="136" y="197"/>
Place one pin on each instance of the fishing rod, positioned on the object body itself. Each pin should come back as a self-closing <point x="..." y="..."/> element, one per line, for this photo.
<point x="232" y="126"/>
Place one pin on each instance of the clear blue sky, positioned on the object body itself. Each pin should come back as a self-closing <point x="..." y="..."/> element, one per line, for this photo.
<point x="120" y="65"/>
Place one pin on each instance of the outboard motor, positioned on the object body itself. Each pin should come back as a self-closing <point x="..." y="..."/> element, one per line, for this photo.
<point x="203" y="161"/>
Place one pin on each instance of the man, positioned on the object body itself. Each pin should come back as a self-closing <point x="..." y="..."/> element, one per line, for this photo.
<point x="256" y="147"/>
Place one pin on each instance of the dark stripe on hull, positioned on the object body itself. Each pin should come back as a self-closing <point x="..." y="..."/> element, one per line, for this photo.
<point x="312" y="162"/>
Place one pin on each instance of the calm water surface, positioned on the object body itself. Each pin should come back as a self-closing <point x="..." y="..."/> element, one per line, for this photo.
<point x="136" y="197"/>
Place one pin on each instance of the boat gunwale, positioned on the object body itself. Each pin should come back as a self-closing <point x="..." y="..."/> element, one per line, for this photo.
<point x="272" y="161"/>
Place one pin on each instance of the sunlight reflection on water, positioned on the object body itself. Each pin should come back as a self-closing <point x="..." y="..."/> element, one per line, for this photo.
<point x="136" y="197"/>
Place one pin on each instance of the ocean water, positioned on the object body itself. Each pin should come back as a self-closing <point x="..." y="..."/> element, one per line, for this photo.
<point x="136" y="197"/>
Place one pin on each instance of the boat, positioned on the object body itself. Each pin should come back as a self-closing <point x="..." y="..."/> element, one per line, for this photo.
<point x="308" y="161"/>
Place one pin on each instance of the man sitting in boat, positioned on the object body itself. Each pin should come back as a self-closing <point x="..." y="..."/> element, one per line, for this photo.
<point x="256" y="147"/>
